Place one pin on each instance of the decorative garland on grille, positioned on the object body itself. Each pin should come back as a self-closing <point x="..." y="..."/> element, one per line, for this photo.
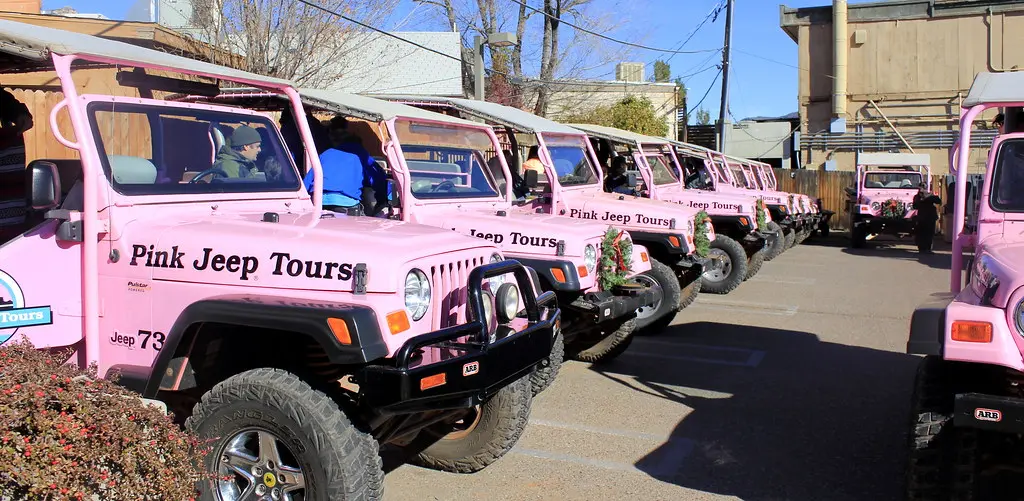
<point x="893" y="208"/>
<point x="616" y="259"/>
<point x="700" y="233"/>
<point x="761" y="218"/>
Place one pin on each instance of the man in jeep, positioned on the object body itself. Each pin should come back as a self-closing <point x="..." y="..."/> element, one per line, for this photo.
<point x="238" y="159"/>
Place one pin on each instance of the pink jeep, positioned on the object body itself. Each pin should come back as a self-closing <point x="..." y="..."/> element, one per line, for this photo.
<point x="882" y="202"/>
<point x="819" y="216"/>
<point x="571" y="186"/>
<point x="446" y="172"/>
<point x="706" y="169"/>
<point x="967" y="406"/>
<point x="297" y="340"/>
<point x="737" y="252"/>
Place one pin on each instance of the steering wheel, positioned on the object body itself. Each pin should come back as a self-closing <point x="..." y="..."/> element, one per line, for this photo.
<point x="208" y="172"/>
<point x="446" y="182"/>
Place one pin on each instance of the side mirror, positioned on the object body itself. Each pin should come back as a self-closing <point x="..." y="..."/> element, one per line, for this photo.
<point x="43" y="186"/>
<point x="531" y="178"/>
<point x="631" y="180"/>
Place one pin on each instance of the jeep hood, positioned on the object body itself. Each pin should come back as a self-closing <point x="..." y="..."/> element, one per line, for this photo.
<point x="241" y="249"/>
<point x="718" y="204"/>
<point x="519" y="233"/>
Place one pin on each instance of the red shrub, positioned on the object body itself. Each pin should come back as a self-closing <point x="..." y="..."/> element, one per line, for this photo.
<point x="65" y="434"/>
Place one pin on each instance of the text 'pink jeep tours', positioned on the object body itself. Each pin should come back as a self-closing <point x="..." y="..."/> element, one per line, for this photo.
<point x="967" y="411"/>
<point x="298" y="340"/>
<point x="882" y="202"/>
<point x="448" y="172"/>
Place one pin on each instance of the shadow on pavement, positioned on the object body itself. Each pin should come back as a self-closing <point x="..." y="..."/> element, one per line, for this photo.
<point x="813" y="420"/>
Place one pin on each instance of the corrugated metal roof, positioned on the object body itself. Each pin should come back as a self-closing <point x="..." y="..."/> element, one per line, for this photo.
<point x="380" y="64"/>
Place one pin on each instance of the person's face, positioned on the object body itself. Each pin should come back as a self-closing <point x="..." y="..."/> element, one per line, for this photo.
<point x="251" y="151"/>
<point x="337" y="135"/>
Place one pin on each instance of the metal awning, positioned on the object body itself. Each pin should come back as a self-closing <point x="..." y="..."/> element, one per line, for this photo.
<point x="995" y="88"/>
<point x="894" y="159"/>
<point x="494" y="113"/>
<point x="616" y="134"/>
<point x="27" y="47"/>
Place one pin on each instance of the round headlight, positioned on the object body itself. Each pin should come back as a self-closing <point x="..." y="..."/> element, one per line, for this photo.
<point x="590" y="257"/>
<point x="496" y="282"/>
<point x="1018" y="315"/>
<point x="507" y="300"/>
<point x="488" y="304"/>
<point x="689" y="226"/>
<point x="417" y="294"/>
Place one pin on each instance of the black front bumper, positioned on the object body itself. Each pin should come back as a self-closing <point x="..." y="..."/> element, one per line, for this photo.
<point x="473" y="370"/>
<point x="608" y="305"/>
<point x="878" y="224"/>
<point x="755" y="241"/>
<point x="989" y="412"/>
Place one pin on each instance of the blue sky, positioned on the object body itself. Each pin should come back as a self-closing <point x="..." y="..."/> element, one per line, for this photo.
<point x="763" y="78"/>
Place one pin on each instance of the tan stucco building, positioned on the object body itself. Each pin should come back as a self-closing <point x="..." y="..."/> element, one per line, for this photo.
<point x="902" y="69"/>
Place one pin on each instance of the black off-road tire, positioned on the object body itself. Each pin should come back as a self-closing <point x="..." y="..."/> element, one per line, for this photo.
<point x="738" y="260"/>
<point x="858" y="236"/>
<point x="611" y="346"/>
<point x="754" y="264"/>
<point x="779" y="246"/>
<point x="501" y="422"/>
<point x="542" y="378"/>
<point x="671" y="299"/>
<point x="942" y="461"/>
<point x="802" y="236"/>
<point x="790" y="239"/>
<point x="339" y="461"/>
<point x="691" y="289"/>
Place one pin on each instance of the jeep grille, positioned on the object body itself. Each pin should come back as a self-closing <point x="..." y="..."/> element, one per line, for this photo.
<point x="448" y="281"/>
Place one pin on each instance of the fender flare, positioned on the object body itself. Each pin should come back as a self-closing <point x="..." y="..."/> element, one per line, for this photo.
<point x="305" y="317"/>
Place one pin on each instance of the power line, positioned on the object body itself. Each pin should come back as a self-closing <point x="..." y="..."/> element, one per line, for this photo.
<point x="712" y="13"/>
<point x="697" y="106"/>
<point x="623" y="42"/>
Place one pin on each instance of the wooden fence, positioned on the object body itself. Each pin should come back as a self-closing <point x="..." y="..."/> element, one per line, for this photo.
<point x="829" y="186"/>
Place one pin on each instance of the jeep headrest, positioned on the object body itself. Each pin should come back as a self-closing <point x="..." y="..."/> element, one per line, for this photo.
<point x="132" y="170"/>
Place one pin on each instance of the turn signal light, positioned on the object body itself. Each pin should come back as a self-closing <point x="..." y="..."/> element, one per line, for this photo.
<point x="558" y="274"/>
<point x="971" y="332"/>
<point x="432" y="381"/>
<point x="398" y="321"/>
<point x="744" y="221"/>
<point x="643" y="257"/>
<point x="340" y="329"/>
<point x="674" y="240"/>
<point x="582" y="270"/>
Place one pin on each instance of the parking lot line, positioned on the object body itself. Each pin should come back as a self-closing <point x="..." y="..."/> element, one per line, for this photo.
<point x="712" y="303"/>
<point x="783" y="280"/>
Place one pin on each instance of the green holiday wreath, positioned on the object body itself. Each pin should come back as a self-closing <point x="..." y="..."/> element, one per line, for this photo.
<point x="761" y="215"/>
<point x="700" y="233"/>
<point x="893" y="208"/>
<point x="616" y="259"/>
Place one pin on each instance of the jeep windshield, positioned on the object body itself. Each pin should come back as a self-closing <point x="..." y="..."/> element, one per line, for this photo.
<point x="1008" y="177"/>
<point x="165" y="150"/>
<point x="661" y="170"/>
<point x="447" y="162"/>
<point x="892" y="180"/>
<point x="571" y="162"/>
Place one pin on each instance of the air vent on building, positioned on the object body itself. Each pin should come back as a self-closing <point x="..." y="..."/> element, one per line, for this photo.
<point x="629" y="72"/>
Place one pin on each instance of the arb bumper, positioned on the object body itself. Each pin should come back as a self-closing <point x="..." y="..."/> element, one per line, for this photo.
<point x="622" y="301"/>
<point x="989" y="412"/>
<point x="469" y="371"/>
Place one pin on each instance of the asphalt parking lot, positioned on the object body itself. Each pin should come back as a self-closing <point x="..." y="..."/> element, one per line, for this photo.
<point x="793" y="387"/>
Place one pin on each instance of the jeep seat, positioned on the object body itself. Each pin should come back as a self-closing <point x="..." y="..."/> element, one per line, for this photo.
<point x="131" y="170"/>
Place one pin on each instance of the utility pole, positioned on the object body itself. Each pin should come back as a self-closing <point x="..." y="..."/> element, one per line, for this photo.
<point x="726" y="49"/>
